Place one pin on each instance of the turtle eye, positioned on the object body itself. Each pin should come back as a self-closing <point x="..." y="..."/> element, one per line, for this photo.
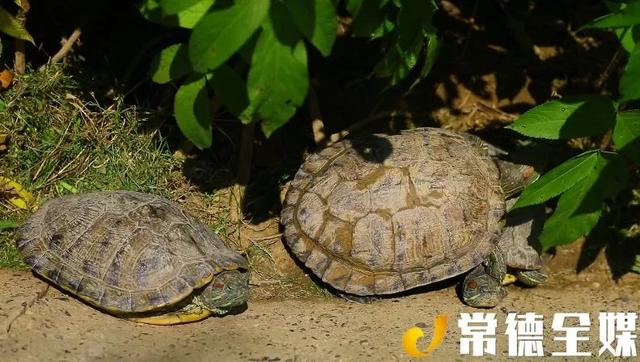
<point x="472" y="285"/>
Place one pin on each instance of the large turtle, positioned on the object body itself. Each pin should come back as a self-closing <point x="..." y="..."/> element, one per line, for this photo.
<point x="134" y="255"/>
<point x="383" y="214"/>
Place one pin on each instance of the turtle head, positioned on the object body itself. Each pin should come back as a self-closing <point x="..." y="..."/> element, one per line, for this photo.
<point x="228" y="290"/>
<point x="482" y="291"/>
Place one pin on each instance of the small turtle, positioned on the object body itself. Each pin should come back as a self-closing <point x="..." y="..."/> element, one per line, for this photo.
<point x="383" y="214"/>
<point x="134" y="255"/>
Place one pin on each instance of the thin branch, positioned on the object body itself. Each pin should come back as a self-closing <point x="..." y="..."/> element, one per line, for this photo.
<point x="66" y="46"/>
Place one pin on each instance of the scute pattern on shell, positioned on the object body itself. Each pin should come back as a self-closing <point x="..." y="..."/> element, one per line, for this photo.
<point x="383" y="214"/>
<point x="123" y="251"/>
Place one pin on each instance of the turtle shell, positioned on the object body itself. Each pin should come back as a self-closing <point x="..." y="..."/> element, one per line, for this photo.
<point x="121" y="251"/>
<point x="387" y="213"/>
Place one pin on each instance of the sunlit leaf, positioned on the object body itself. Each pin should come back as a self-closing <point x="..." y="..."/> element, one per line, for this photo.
<point x="187" y="18"/>
<point x="192" y="108"/>
<point x="626" y="134"/>
<point x="176" y="6"/>
<point x="569" y="117"/>
<point x="223" y="31"/>
<point x="558" y="180"/>
<point x="317" y="21"/>
<point x="278" y="81"/>
<point x="630" y="81"/>
<point x="11" y="26"/>
<point x="170" y="64"/>
<point x="627" y="16"/>
<point x="580" y="207"/>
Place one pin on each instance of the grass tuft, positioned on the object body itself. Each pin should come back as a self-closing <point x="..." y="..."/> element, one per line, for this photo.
<point x="63" y="141"/>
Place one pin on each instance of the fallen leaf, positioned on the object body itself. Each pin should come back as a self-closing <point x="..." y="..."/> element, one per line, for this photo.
<point x="15" y="194"/>
<point x="6" y="78"/>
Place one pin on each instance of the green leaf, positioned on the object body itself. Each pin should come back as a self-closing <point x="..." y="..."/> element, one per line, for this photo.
<point x="170" y="64"/>
<point x="558" y="180"/>
<point x="430" y="55"/>
<point x="317" y="21"/>
<point x="433" y="49"/>
<point x="579" y="208"/>
<point x="575" y="215"/>
<point x="413" y="16"/>
<point x="627" y="16"/>
<point x="11" y="26"/>
<point x="628" y="37"/>
<point x="570" y="117"/>
<point x="176" y="6"/>
<point x="222" y="32"/>
<point x="626" y="134"/>
<point x="369" y="18"/>
<point x="278" y="81"/>
<point x="231" y="89"/>
<point x="8" y="224"/>
<point x="398" y="62"/>
<point x="192" y="108"/>
<point x="187" y="18"/>
<point x="353" y="7"/>
<point x="630" y="81"/>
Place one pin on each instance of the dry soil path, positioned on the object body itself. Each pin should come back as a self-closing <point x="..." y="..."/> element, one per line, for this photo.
<point x="55" y="327"/>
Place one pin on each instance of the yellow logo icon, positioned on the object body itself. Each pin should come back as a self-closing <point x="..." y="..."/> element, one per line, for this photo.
<point x="411" y="336"/>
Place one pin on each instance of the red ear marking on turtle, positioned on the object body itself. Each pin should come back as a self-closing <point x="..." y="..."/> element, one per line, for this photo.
<point x="217" y="285"/>
<point x="472" y="285"/>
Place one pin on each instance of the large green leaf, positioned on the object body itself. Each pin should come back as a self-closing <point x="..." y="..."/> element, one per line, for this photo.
<point x="170" y="64"/>
<point x="558" y="180"/>
<point x="317" y="21"/>
<point x="569" y="117"/>
<point x="192" y="108"/>
<point x="222" y="32"/>
<point x="11" y="26"/>
<point x="278" y="81"/>
<point x="627" y="16"/>
<point x="630" y="81"/>
<point x="579" y="208"/>
<point x="176" y="6"/>
<point x="187" y="18"/>
<point x="232" y="90"/>
<point x="576" y="214"/>
<point x="626" y="134"/>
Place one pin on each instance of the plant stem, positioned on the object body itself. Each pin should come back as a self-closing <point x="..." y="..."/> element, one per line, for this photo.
<point x="20" y="63"/>
<point x="244" y="163"/>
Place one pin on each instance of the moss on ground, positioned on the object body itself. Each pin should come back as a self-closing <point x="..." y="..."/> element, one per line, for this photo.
<point x="62" y="141"/>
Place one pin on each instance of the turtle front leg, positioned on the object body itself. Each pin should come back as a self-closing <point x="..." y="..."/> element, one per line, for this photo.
<point x="482" y="287"/>
<point x="531" y="278"/>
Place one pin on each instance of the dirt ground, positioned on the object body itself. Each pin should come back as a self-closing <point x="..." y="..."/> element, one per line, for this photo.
<point x="39" y="323"/>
